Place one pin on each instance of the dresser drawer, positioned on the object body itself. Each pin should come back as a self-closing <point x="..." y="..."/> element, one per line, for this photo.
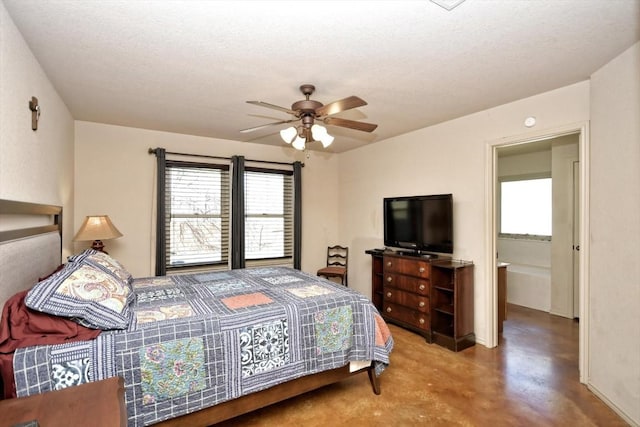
<point x="406" y="299"/>
<point x="412" y="267"/>
<point x="407" y="283"/>
<point x="415" y="318"/>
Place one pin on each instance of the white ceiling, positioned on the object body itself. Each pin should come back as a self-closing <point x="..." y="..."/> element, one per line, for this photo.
<point x="189" y="66"/>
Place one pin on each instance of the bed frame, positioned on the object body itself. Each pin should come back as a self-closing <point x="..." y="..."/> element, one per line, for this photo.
<point x="30" y="244"/>
<point x="32" y="252"/>
<point x="250" y="402"/>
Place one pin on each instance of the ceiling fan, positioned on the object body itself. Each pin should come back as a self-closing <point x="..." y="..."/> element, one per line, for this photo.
<point x="308" y="112"/>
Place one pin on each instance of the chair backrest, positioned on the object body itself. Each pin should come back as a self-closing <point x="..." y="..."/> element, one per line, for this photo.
<point x="337" y="256"/>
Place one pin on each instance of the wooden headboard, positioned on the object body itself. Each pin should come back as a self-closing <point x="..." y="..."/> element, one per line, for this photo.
<point x="30" y="244"/>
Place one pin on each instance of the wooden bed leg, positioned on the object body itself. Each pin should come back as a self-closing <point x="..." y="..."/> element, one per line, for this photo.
<point x="373" y="379"/>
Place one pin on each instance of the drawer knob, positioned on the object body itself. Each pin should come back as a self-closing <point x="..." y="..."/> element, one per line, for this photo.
<point x="388" y="263"/>
<point x="388" y="309"/>
<point x="389" y="294"/>
<point x="421" y="304"/>
<point x="422" y="321"/>
<point x="389" y="279"/>
<point x="421" y="269"/>
<point x="421" y="287"/>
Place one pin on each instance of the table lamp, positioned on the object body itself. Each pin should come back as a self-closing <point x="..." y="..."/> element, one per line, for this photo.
<point x="97" y="228"/>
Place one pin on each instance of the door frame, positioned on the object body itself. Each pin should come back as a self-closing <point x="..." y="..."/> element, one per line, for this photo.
<point x="576" y="238"/>
<point x="491" y="179"/>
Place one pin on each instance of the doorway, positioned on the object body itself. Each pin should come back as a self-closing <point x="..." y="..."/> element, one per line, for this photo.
<point x="564" y="299"/>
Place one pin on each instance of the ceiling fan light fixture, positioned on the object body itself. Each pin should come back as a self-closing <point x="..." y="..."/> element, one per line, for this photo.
<point x="318" y="131"/>
<point x="288" y="134"/>
<point x="320" y="134"/>
<point x="326" y="140"/>
<point x="307" y="111"/>
<point x="298" y="143"/>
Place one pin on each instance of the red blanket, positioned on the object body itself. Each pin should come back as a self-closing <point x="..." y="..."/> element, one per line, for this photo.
<point x="22" y="327"/>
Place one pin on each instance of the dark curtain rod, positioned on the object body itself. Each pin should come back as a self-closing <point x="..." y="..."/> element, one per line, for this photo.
<point x="153" y="151"/>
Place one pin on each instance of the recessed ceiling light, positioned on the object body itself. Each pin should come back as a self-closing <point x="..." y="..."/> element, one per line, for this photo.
<point x="530" y="121"/>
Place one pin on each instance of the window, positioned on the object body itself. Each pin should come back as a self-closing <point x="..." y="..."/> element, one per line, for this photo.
<point x="268" y="214"/>
<point x="526" y="207"/>
<point x="209" y="217"/>
<point x="197" y="214"/>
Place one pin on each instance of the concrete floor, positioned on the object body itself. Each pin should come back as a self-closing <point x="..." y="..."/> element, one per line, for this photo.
<point x="530" y="379"/>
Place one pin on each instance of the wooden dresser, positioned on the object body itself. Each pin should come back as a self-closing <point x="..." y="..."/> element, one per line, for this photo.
<point x="376" y="277"/>
<point x="433" y="297"/>
<point x="406" y="293"/>
<point x="99" y="404"/>
<point x="452" y="304"/>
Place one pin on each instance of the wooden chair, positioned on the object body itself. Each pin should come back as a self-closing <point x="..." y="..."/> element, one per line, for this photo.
<point x="337" y="257"/>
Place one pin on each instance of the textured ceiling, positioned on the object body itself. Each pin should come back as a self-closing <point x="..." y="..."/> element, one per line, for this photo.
<point x="189" y="66"/>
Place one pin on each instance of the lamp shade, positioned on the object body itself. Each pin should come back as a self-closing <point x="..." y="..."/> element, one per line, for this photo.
<point x="320" y="134"/>
<point x="288" y="134"/>
<point x="299" y="143"/>
<point x="326" y="140"/>
<point x="97" y="227"/>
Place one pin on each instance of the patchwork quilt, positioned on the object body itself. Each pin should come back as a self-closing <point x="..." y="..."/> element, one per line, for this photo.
<point x="201" y="339"/>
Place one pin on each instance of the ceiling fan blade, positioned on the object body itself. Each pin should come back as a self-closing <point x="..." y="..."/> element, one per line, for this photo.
<point x="275" y="107"/>
<point x="341" y="105"/>
<point x="351" y="124"/>
<point x="267" y="125"/>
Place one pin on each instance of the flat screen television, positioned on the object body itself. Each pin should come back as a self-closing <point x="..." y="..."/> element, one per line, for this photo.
<point x="419" y="223"/>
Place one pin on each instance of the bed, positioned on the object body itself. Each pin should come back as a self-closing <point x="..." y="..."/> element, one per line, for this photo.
<point x="193" y="349"/>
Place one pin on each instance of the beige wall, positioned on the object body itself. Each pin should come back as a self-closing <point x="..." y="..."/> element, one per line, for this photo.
<point x="534" y="163"/>
<point x="445" y="158"/>
<point x="35" y="166"/>
<point x="115" y="175"/>
<point x="614" y="356"/>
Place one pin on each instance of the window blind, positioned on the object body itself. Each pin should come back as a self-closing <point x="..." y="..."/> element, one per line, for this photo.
<point x="268" y="217"/>
<point x="196" y="215"/>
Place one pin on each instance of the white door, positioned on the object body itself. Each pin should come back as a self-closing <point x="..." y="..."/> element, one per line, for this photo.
<point x="576" y="240"/>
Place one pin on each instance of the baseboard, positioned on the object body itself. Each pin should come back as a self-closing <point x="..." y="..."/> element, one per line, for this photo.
<point x="616" y="409"/>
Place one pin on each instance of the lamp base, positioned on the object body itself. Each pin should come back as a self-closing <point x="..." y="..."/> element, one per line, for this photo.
<point x="98" y="246"/>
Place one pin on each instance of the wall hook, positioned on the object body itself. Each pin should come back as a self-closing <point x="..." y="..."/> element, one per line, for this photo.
<point x="35" y="112"/>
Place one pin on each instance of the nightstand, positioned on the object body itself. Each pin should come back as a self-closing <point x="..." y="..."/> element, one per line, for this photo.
<point x="99" y="403"/>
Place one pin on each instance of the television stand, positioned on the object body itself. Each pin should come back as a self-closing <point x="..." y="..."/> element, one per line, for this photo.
<point x="430" y="296"/>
